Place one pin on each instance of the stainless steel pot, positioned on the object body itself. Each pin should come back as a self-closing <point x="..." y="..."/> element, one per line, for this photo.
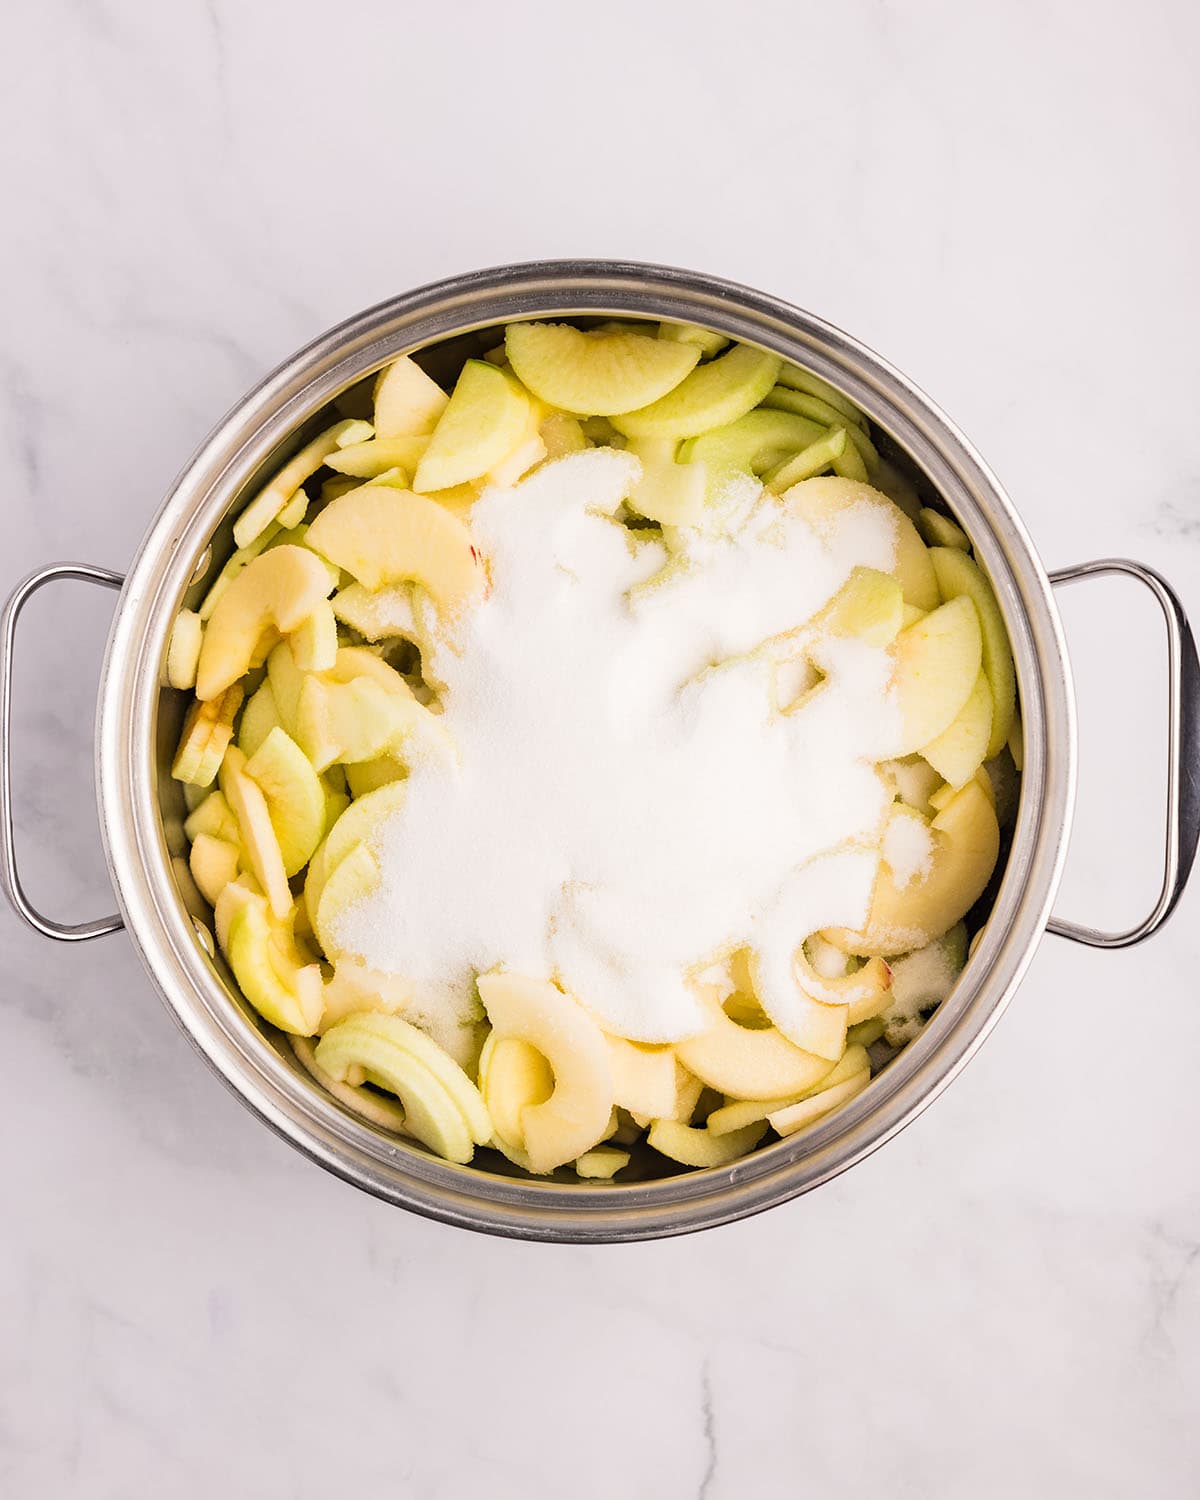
<point x="140" y="806"/>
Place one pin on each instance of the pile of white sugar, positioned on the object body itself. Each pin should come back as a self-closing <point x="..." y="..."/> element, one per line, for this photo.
<point x="629" y="801"/>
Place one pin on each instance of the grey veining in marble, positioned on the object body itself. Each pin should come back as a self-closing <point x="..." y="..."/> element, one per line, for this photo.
<point x="1001" y="198"/>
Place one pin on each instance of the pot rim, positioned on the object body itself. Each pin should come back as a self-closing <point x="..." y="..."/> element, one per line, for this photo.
<point x="170" y="948"/>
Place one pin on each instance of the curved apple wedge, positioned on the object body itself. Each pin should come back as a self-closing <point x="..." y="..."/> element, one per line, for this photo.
<point x="259" y="841"/>
<point x="596" y="373"/>
<point x="575" y="1117"/>
<point x="937" y="664"/>
<point x="271" y="596"/>
<point x="959" y="751"/>
<point x="959" y="575"/>
<point x="824" y="501"/>
<point x="285" y="991"/>
<point x="907" y="915"/>
<point x="295" y="797"/>
<point x="746" y="1063"/>
<point x="442" y="1107"/>
<point x="206" y="734"/>
<point x="513" y="1076"/>
<point x="644" y="1077"/>
<point x="487" y="417"/>
<point x="385" y="536"/>
<point x="713" y="395"/>
<point x="407" y="401"/>
<point x="384" y="1113"/>
<point x="696" y="1146"/>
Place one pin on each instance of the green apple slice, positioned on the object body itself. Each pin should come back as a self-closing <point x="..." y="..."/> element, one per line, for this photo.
<point x="601" y="1163"/>
<point x="183" y="650"/>
<point x="407" y="401"/>
<point x="753" y="444"/>
<point x="708" y="342"/>
<point x="814" y="459"/>
<point x="295" y="797"/>
<point x="431" y="1114"/>
<point x="828" y="416"/>
<point x="713" y="395"/>
<point x="939" y="530"/>
<point x="796" y="379"/>
<point x="959" y="751"/>
<point x="696" y="1146"/>
<point x="484" y="421"/>
<point x="249" y="807"/>
<point x="596" y="373"/>
<point x="959" y="575"/>
<point x="384" y="1113"/>
<point x="937" y="662"/>
<point x="256" y="957"/>
<point x="236" y="564"/>
<point x="366" y="776"/>
<point x="373" y="459"/>
<point x="214" y="817"/>
<point x="259" y="716"/>
<point x="668" y="492"/>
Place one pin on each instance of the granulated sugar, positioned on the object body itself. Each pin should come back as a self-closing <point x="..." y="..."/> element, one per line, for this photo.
<point x="628" y="804"/>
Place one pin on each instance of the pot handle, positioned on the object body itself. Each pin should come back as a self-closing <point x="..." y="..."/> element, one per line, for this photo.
<point x="9" y="878"/>
<point x="1183" y="753"/>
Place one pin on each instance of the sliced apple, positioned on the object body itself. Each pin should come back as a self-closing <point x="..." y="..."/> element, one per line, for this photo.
<point x="352" y="880"/>
<point x="407" y="401"/>
<point x="275" y="593"/>
<point x="863" y="991"/>
<point x="383" y="537"/>
<point x="513" y="1076"/>
<point x="746" y="1063"/>
<point x="287" y="994"/>
<point x="966" y="844"/>
<point x="214" y="817"/>
<point x="315" y="640"/>
<point x="795" y="1117"/>
<point x="259" y="717"/>
<point x="431" y="1112"/>
<point x="827" y="452"/>
<point x="235" y="565"/>
<point x="214" y="865"/>
<point x="595" y="373"/>
<point x="263" y="854"/>
<point x="485" y="420"/>
<point x="868" y="606"/>
<point x="713" y="395"/>
<point x="794" y="378"/>
<point x="937" y="664"/>
<point x="694" y="1146"/>
<point x="914" y="781"/>
<point x="354" y="721"/>
<point x="378" y="614"/>
<point x="354" y="987"/>
<point x="380" y="456"/>
<point x="938" y="530"/>
<point x="385" y="1113"/>
<point x="644" y="1077"/>
<point x="960" y="576"/>
<point x="183" y="650"/>
<point x="287" y="681"/>
<point x="816" y="410"/>
<point x="207" y="731"/>
<point x="668" y="492"/>
<point x="601" y="1163"/>
<point x="821" y="501"/>
<point x="708" y="342"/>
<point x="562" y="434"/>
<point x="923" y="979"/>
<point x="753" y="444"/>
<point x="276" y="494"/>
<point x="576" y="1115"/>
<point x="366" y="776"/>
<point x="958" y="752"/>
<point x="295" y="797"/>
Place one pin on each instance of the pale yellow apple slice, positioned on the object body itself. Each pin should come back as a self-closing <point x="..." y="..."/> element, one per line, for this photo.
<point x="235" y="895"/>
<point x="235" y="565"/>
<point x="960" y="576"/>
<point x="914" y="781"/>
<point x="513" y="1076"/>
<point x="485" y="420"/>
<point x="183" y="650"/>
<point x="795" y="1117"/>
<point x="868" y="606"/>
<point x="595" y="373"/>
<point x="379" y="456"/>
<point x="207" y="731"/>
<point x="746" y="1063"/>
<point x="576" y="1115"/>
<point x="644" y="1077"/>
<point x="822" y="501"/>
<point x="753" y="444"/>
<point x="958" y="752"/>
<point x="860" y="452"/>
<point x="355" y="987"/>
<point x="407" y="401"/>
<point x="259" y="717"/>
<point x="671" y="493"/>
<point x="863" y="991"/>
<point x="214" y="817"/>
<point x="708" y="342"/>
<point x="923" y="979"/>
<point x="361" y="720"/>
<point x="286" y="681"/>
<point x="385" y="1113"/>
<point x="275" y="495"/>
<point x="383" y="536"/>
<point x="431" y="1114"/>
<point x="562" y="434"/>
<point x="937" y="663"/>
<point x="938" y="530"/>
<point x="257" y="954"/>
<point x="276" y="592"/>
<point x="696" y="1146"/>
<point x="713" y="395"/>
<point x="966" y="844"/>
<point x="509" y="471"/>
<point x="295" y="797"/>
<point x="827" y="452"/>
<point x="353" y="880"/>
<point x="378" y="614"/>
<point x="601" y="1163"/>
<point x="314" y="641"/>
<point x="743" y="1112"/>
<point x="263" y="854"/>
<point x="214" y="865"/>
<point x="366" y="776"/>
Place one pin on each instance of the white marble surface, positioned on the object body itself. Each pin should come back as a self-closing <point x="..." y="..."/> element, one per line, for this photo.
<point x="999" y="197"/>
